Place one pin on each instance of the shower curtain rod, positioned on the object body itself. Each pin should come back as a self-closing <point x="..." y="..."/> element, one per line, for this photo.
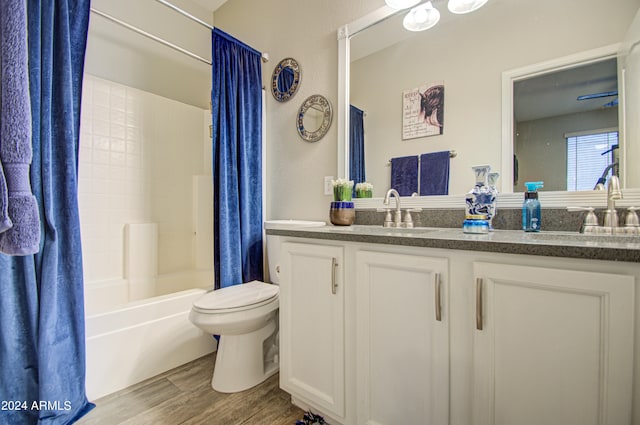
<point x="151" y="36"/>
<point x="265" y="56"/>
<point x="185" y="13"/>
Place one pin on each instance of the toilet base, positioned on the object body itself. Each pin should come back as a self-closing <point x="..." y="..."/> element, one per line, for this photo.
<point x="240" y="360"/>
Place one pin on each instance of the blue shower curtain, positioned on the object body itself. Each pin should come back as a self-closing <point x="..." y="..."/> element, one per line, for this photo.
<point x="356" y="145"/>
<point x="42" y="357"/>
<point x="237" y="160"/>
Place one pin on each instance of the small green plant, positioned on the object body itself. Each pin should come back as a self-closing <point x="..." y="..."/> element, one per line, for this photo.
<point x="364" y="190"/>
<point x="342" y="189"/>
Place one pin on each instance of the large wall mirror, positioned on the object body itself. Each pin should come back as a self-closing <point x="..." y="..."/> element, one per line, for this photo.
<point x="473" y="55"/>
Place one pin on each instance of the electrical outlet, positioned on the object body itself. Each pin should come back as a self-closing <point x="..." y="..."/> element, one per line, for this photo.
<point x="328" y="186"/>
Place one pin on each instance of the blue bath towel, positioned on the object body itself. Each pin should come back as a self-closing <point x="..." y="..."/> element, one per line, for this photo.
<point x="404" y="175"/>
<point x="434" y="173"/>
<point x="5" y="221"/>
<point x="15" y="132"/>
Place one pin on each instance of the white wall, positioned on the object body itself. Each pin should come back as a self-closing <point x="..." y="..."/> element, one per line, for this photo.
<point x="138" y="155"/>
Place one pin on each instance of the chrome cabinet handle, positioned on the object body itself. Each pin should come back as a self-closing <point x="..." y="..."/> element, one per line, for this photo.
<point x="479" y="304"/>
<point x="334" y="283"/>
<point x="438" y="285"/>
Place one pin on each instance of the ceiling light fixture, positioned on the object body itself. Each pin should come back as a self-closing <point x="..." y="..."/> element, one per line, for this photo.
<point x="425" y="16"/>
<point x="421" y="17"/>
<point x="465" y="6"/>
<point x="401" y="4"/>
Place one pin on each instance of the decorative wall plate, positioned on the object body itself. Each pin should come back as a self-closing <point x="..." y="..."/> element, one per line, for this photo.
<point x="285" y="79"/>
<point x="314" y="118"/>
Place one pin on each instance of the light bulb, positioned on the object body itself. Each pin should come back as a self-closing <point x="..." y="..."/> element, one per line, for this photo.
<point x="465" y="6"/>
<point x="421" y="18"/>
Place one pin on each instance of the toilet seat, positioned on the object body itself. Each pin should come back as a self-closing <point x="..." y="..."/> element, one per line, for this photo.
<point x="234" y="298"/>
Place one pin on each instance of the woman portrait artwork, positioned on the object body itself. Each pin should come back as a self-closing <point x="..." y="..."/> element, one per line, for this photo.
<point x="423" y="111"/>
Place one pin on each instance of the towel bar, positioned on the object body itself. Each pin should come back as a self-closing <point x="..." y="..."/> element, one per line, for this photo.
<point x="452" y="154"/>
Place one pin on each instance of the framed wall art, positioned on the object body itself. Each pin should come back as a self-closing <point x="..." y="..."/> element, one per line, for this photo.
<point x="423" y="111"/>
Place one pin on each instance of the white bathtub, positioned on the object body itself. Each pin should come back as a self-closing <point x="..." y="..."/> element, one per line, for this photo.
<point x="140" y="340"/>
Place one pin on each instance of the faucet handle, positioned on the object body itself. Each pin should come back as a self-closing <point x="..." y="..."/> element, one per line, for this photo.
<point x="388" y="222"/>
<point x="590" y="224"/>
<point x="408" y="221"/>
<point x="631" y="220"/>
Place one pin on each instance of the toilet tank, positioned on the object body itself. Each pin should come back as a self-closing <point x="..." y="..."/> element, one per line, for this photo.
<point x="274" y="243"/>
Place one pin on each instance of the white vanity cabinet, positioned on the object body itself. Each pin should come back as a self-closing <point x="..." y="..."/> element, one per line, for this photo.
<point x="379" y="334"/>
<point x="402" y="339"/>
<point x="551" y="346"/>
<point x="312" y="325"/>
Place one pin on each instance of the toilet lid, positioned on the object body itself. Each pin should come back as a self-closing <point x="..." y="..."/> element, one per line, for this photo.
<point x="236" y="296"/>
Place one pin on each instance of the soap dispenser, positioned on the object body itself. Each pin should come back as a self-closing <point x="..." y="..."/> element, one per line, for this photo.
<point x="531" y="216"/>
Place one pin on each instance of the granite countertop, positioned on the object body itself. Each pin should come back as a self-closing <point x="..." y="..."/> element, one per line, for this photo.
<point x="553" y="244"/>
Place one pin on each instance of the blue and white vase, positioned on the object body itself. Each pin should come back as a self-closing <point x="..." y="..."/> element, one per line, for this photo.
<point x="480" y="199"/>
<point x="492" y="179"/>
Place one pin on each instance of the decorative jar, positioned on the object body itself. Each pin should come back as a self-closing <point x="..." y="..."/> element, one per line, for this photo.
<point x="480" y="199"/>
<point x="476" y="224"/>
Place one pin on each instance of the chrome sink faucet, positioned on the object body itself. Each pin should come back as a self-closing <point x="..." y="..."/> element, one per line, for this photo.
<point x="613" y="193"/>
<point x="397" y="218"/>
<point x="611" y="223"/>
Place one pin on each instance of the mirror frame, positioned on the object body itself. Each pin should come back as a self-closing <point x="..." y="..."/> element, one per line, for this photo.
<point x="507" y="199"/>
<point x="281" y="96"/>
<point x="327" y="117"/>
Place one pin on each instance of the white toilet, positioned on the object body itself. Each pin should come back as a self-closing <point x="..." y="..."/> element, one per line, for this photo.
<point x="245" y="317"/>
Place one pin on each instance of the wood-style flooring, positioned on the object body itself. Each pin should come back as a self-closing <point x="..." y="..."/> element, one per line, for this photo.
<point x="184" y="396"/>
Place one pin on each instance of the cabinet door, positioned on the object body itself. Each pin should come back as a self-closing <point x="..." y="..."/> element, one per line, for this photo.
<point x="552" y="346"/>
<point x="402" y="342"/>
<point x="312" y="325"/>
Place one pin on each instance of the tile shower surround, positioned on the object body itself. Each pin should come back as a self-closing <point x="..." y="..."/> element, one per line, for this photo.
<point x="138" y="153"/>
<point x="553" y="219"/>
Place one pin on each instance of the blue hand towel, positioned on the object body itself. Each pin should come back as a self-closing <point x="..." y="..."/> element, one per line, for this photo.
<point x="15" y="132"/>
<point x="404" y="175"/>
<point x="434" y="173"/>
